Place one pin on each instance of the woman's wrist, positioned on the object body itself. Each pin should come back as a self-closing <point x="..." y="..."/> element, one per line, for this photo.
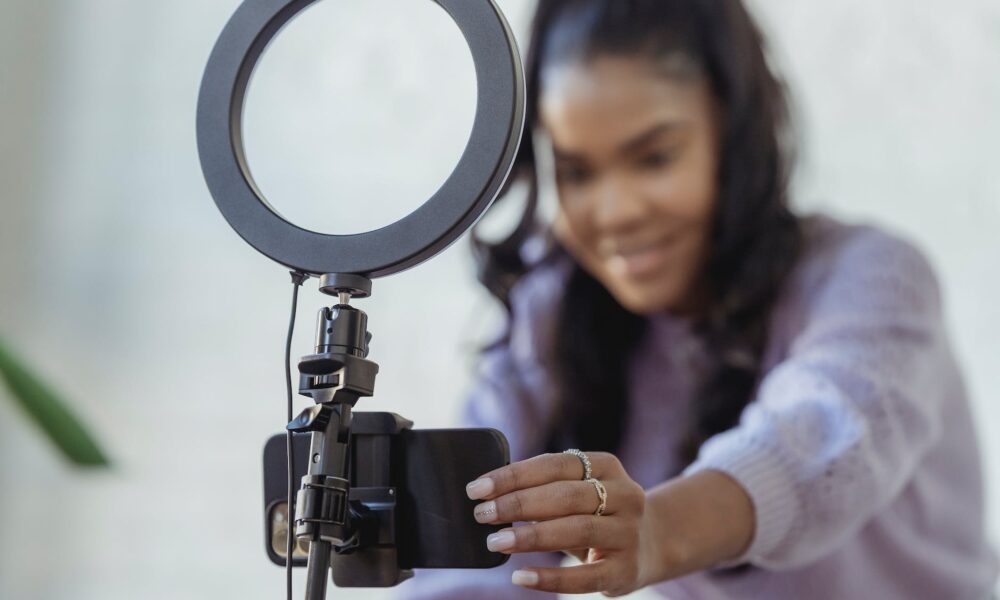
<point x="693" y="523"/>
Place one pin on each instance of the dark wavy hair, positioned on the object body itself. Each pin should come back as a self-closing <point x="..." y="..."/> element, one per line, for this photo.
<point x="756" y="239"/>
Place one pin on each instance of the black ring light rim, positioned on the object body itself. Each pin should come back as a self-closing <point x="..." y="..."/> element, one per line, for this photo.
<point x="442" y="219"/>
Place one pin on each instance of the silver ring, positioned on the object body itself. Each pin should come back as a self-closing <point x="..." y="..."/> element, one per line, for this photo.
<point x="588" y="469"/>
<point x="602" y="494"/>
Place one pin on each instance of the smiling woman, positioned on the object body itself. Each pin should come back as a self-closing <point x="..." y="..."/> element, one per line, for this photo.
<point x="768" y="402"/>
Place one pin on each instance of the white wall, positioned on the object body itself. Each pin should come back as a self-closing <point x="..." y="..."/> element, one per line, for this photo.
<point x="125" y="287"/>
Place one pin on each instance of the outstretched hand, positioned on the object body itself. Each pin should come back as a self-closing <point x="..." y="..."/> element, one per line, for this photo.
<point x="549" y="492"/>
<point x="681" y="526"/>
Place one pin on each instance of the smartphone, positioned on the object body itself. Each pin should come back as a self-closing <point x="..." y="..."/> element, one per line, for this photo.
<point x="426" y="469"/>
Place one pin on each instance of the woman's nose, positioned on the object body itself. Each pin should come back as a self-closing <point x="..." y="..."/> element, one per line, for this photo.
<point x="617" y="207"/>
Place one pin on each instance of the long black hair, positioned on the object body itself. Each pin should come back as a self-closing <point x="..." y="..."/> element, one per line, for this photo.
<point x="755" y="238"/>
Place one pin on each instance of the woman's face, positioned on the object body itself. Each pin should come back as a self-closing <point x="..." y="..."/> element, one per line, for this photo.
<point x="636" y="156"/>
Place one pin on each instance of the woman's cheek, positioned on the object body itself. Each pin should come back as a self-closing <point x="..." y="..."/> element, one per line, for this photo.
<point x="573" y="231"/>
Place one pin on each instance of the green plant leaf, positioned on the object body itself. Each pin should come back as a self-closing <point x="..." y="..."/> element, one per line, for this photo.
<point x="50" y="413"/>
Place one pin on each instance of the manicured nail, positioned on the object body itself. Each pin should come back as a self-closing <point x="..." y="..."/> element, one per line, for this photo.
<point x="486" y="512"/>
<point x="479" y="488"/>
<point x="500" y="541"/>
<point x="524" y="578"/>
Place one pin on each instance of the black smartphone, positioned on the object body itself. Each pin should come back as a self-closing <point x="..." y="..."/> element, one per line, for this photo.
<point x="427" y="470"/>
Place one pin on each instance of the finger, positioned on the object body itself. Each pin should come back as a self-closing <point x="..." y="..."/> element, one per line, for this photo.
<point x="539" y="470"/>
<point x="581" y="554"/>
<point x="585" y="555"/>
<point x="568" y="533"/>
<point x="580" y="579"/>
<point x="552" y="500"/>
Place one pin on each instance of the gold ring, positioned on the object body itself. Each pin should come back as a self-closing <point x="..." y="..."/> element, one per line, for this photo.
<point x="602" y="494"/>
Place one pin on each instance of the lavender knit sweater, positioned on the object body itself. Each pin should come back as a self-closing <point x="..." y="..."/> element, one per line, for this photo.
<point x="858" y="450"/>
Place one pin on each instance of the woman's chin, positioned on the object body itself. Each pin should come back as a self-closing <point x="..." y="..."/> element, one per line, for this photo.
<point x="647" y="299"/>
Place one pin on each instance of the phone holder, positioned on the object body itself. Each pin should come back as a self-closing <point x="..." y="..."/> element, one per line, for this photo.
<point x="338" y="374"/>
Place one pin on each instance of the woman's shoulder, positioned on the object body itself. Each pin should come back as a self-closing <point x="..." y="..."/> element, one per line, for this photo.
<point x="858" y="255"/>
<point x="832" y="244"/>
<point x="857" y="269"/>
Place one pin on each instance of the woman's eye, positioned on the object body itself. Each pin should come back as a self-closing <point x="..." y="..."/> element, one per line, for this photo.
<point x="655" y="160"/>
<point x="573" y="175"/>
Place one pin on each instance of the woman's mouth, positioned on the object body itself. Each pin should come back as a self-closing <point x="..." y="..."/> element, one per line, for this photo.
<point x="640" y="261"/>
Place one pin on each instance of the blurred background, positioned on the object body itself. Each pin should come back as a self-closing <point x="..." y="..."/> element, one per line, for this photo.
<point x="125" y="290"/>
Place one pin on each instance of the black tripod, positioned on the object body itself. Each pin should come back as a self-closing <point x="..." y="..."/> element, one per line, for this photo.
<point x="335" y="377"/>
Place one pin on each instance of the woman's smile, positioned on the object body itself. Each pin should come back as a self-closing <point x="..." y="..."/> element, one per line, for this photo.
<point x="639" y="261"/>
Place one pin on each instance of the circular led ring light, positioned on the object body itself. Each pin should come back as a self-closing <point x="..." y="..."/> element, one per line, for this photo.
<point x="464" y="196"/>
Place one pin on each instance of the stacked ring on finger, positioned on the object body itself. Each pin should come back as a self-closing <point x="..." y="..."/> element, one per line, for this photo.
<point x="602" y="495"/>
<point x="588" y="469"/>
<point x="588" y="476"/>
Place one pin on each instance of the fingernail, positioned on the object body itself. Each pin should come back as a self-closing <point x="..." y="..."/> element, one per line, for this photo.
<point x="500" y="541"/>
<point x="486" y="512"/>
<point x="479" y="488"/>
<point x="524" y="578"/>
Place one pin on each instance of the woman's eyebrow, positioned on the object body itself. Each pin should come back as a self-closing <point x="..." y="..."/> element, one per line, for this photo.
<point x="645" y="137"/>
<point x="568" y="156"/>
<point x="630" y="145"/>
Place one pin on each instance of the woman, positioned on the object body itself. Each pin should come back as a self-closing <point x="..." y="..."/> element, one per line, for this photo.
<point x="769" y="404"/>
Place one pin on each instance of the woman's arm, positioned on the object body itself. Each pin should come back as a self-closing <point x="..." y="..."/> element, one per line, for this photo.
<point x="836" y="431"/>
<point x="840" y="425"/>
<point x="698" y="521"/>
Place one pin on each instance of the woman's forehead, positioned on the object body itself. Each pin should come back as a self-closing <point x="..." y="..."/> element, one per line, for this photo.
<point x="608" y="101"/>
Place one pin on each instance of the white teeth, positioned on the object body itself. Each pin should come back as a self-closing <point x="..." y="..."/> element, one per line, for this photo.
<point x="634" y="262"/>
<point x="618" y="264"/>
<point x="610" y="248"/>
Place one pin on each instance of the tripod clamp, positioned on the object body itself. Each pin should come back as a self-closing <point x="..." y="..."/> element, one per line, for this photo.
<point x="336" y="376"/>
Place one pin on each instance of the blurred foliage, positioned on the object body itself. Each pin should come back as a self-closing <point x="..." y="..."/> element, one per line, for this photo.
<point x="50" y="413"/>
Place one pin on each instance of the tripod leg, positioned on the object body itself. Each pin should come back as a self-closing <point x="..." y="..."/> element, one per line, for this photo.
<point x="319" y="570"/>
<point x="321" y="511"/>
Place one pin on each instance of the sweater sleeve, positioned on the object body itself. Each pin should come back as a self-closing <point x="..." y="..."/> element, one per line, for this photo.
<point x="838" y="427"/>
<point x="508" y="394"/>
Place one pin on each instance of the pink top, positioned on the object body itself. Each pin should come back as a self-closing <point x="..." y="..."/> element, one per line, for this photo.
<point x="858" y="451"/>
